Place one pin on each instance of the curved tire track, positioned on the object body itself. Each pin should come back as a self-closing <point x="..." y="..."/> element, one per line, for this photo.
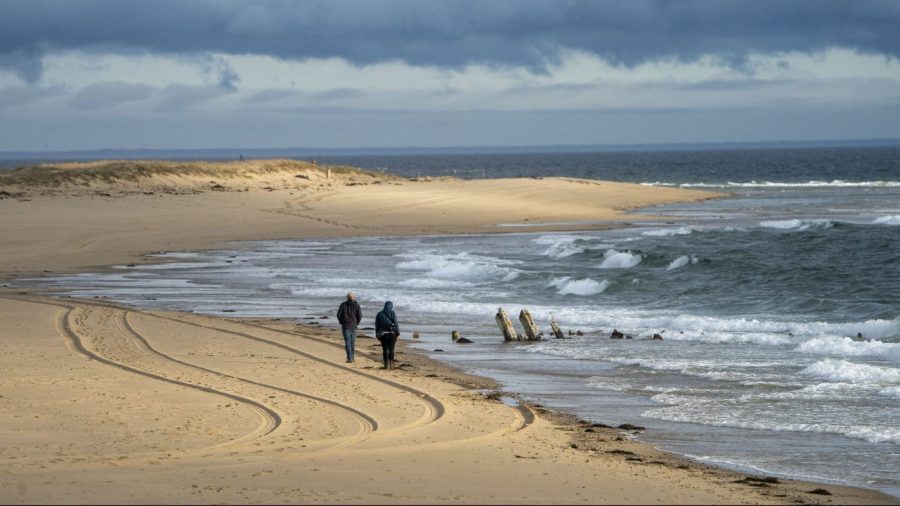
<point x="367" y="423"/>
<point x="271" y="419"/>
<point x="434" y="408"/>
<point x="525" y="416"/>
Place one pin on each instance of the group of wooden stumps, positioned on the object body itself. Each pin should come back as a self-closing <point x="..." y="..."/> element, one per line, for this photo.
<point x="532" y="333"/>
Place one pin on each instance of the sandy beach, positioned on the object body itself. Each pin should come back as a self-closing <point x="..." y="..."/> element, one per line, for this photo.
<point x="107" y="404"/>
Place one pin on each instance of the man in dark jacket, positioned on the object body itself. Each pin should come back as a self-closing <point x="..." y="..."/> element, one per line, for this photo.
<point x="387" y="330"/>
<point x="349" y="315"/>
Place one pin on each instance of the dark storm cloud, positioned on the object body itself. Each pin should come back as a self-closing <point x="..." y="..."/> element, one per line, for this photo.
<point x="446" y="33"/>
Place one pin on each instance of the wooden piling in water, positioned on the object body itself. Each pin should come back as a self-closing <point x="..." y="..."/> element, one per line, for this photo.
<point x="555" y="328"/>
<point x="506" y="326"/>
<point x="531" y="330"/>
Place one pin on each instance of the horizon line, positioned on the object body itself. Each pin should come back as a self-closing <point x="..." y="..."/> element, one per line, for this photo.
<point x="479" y="149"/>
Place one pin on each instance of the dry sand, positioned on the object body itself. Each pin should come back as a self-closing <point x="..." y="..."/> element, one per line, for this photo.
<point x="105" y="404"/>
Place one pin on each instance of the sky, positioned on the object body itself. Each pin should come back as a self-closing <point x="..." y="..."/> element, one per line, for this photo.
<point x="195" y="74"/>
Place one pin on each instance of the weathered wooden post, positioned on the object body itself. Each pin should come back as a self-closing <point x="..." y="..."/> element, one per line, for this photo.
<point x="506" y="326"/>
<point x="555" y="328"/>
<point x="454" y="335"/>
<point x="531" y="330"/>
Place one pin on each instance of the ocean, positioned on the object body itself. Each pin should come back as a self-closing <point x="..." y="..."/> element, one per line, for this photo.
<point x="779" y="307"/>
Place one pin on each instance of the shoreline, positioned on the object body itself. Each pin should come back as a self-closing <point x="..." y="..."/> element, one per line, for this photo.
<point x="287" y="414"/>
<point x="617" y="446"/>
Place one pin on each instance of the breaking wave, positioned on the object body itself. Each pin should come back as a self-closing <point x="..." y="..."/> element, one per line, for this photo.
<point x="668" y="232"/>
<point x="586" y="286"/>
<point x="797" y="225"/>
<point x="849" y="372"/>
<point x="459" y="266"/>
<point x="613" y="259"/>
<point x="681" y="262"/>
<point x="560" y="246"/>
<point x="887" y="220"/>
<point x="845" y="346"/>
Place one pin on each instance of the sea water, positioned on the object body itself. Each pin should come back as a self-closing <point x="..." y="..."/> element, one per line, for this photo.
<point x="779" y="307"/>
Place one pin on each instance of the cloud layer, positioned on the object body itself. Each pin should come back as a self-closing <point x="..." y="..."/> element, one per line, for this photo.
<point x="449" y="33"/>
<point x="78" y="74"/>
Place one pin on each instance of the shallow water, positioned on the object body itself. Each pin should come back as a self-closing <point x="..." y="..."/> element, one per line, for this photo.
<point x="779" y="310"/>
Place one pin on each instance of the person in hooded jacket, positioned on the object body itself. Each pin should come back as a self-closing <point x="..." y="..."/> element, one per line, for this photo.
<point x="349" y="315"/>
<point x="387" y="330"/>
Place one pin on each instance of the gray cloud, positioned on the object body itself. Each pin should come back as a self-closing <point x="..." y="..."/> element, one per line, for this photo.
<point x="17" y="96"/>
<point x="109" y="95"/>
<point x="179" y="97"/>
<point x="449" y="33"/>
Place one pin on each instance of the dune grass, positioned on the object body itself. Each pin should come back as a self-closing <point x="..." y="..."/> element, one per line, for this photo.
<point x="110" y="172"/>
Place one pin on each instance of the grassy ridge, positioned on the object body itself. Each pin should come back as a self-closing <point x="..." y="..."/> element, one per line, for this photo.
<point x="111" y="172"/>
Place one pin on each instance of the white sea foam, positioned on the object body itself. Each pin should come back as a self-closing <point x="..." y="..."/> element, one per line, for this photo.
<point x="796" y="225"/>
<point x="459" y="266"/>
<point x="681" y="410"/>
<point x="776" y="184"/>
<point x="815" y="392"/>
<point x="887" y="220"/>
<point x="720" y="370"/>
<point x="612" y="383"/>
<point x="434" y="283"/>
<point x="548" y="240"/>
<point x="668" y="232"/>
<point x="681" y="262"/>
<point x="833" y="345"/>
<point x="613" y="259"/>
<point x="584" y="286"/>
<point x="563" y="249"/>
<point x="850" y="372"/>
<point x="681" y="326"/>
<point x="892" y="392"/>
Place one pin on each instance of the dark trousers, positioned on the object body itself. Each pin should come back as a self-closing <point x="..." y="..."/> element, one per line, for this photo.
<point x="388" y="342"/>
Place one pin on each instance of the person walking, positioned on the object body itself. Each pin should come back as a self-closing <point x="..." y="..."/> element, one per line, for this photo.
<point x="349" y="315"/>
<point x="387" y="330"/>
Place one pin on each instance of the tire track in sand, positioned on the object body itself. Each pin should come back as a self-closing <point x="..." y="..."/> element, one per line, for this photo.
<point x="524" y="416"/>
<point x="434" y="409"/>
<point x="271" y="419"/>
<point x="367" y="423"/>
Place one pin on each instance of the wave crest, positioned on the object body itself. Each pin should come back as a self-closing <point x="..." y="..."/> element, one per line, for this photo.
<point x="459" y="266"/>
<point x="797" y="225"/>
<point x="613" y="259"/>
<point x="887" y="220"/>
<point x="586" y="286"/>
<point x="849" y="372"/>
